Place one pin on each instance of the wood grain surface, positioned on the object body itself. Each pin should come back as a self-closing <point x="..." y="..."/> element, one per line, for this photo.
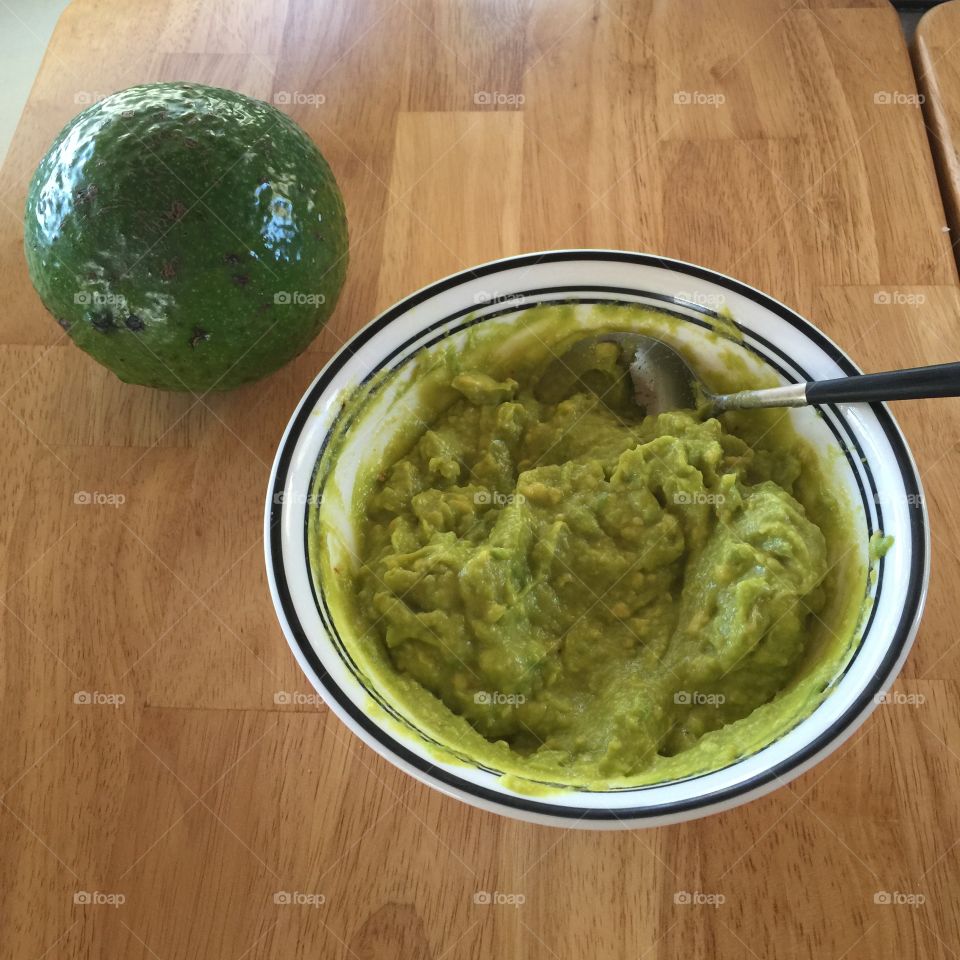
<point x="775" y="140"/>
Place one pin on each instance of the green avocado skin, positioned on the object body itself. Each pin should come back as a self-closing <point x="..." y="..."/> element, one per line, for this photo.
<point x="185" y="236"/>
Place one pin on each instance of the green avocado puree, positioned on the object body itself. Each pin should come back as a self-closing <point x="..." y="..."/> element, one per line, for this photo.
<point x="577" y="595"/>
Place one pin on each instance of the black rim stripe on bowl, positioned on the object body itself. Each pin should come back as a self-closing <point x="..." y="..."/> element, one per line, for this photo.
<point x="522" y="301"/>
<point x="894" y="650"/>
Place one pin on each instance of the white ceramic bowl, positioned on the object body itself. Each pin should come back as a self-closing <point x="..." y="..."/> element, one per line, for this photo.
<point x="876" y="468"/>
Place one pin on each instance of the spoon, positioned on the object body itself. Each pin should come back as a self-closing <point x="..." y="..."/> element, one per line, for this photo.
<point x="661" y="380"/>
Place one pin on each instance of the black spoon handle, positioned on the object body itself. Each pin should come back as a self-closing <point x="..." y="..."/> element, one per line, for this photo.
<point x="915" y="383"/>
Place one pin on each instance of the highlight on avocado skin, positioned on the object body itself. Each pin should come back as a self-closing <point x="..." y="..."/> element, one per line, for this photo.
<point x="576" y="594"/>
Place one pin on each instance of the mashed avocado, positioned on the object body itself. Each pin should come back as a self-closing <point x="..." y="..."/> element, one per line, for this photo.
<point x="580" y="595"/>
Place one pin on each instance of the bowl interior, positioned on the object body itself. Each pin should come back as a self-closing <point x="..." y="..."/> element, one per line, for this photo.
<point x="865" y="454"/>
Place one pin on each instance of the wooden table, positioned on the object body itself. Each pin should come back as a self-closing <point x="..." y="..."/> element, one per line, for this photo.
<point x="776" y="140"/>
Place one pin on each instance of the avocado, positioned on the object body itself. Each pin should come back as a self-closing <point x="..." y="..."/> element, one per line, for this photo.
<point x="185" y="236"/>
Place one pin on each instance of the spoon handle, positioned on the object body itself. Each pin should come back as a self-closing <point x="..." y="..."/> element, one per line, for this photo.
<point x="915" y="383"/>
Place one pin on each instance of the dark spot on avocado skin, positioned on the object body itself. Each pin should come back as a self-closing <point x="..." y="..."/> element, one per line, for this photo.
<point x="232" y="257"/>
<point x="102" y="320"/>
<point x="169" y="269"/>
<point x="133" y="322"/>
<point x="240" y="279"/>
<point x="199" y="335"/>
